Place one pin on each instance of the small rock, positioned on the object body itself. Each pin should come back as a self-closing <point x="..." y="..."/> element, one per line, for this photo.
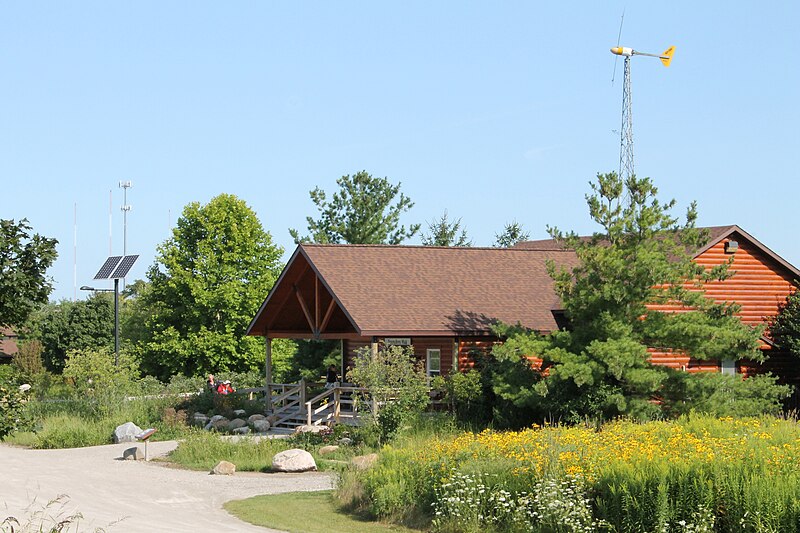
<point x="220" y="424"/>
<point x="253" y="418"/>
<point x="199" y="419"/>
<point x="217" y="417"/>
<point x="239" y="412"/>
<point x="325" y="450"/>
<point x="126" y="432"/>
<point x="133" y="454"/>
<point x="345" y="441"/>
<point x="261" y="426"/>
<point x="224" y="468"/>
<point x="244" y="430"/>
<point x="310" y="429"/>
<point x="294" y="460"/>
<point x="25" y="387"/>
<point x="363" y="462"/>
<point x="236" y="423"/>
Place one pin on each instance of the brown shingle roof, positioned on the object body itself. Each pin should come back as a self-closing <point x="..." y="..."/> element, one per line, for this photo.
<point x="421" y="290"/>
<point x="715" y="233"/>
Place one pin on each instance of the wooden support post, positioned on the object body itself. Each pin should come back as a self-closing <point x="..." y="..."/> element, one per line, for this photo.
<point x="337" y="405"/>
<point x="268" y="375"/>
<point x="302" y="400"/>
<point x="374" y="347"/>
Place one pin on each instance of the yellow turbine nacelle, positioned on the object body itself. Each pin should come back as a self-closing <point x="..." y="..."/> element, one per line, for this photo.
<point x="622" y="51"/>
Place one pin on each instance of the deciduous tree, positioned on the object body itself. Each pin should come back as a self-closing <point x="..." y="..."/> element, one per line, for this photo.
<point x="65" y="326"/>
<point x="24" y="260"/>
<point x="206" y="285"/>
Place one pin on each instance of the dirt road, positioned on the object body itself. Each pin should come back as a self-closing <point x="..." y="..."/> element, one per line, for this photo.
<point x="133" y="496"/>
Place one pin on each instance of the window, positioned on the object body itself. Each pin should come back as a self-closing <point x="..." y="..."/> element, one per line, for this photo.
<point x="728" y="366"/>
<point x="434" y="361"/>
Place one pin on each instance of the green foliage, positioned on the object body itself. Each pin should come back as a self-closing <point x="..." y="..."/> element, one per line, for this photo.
<point x="641" y="258"/>
<point x="13" y="414"/>
<point x="312" y="358"/>
<point x="442" y="232"/>
<point x="203" y="449"/>
<point x="465" y="393"/>
<point x="28" y="361"/>
<point x="365" y="210"/>
<point x="729" y="475"/>
<point x="724" y="395"/>
<point x="396" y="381"/>
<point x="204" y="289"/>
<point x="96" y="377"/>
<point x="24" y="260"/>
<point x="512" y="233"/>
<point x="66" y="325"/>
<point x="785" y="327"/>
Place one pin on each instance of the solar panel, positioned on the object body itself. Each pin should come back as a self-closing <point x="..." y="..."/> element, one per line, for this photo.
<point x="108" y="267"/>
<point x="124" y="267"/>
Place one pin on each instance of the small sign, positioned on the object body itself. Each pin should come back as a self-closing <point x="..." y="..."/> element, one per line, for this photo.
<point x="397" y="341"/>
<point x="146" y="434"/>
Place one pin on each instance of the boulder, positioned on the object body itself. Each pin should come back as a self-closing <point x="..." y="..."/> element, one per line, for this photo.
<point x="272" y="419"/>
<point x="253" y="418"/>
<point x="311" y="429"/>
<point x="221" y="424"/>
<point x="133" y="454"/>
<point x="199" y="419"/>
<point x="345" y="441"/>
<point x="236" y="423"/>
<point x="244" y="430"/>
<point x="294" y="460"/>
<point x="126" y="432"/>
<point x="216" y="418"/>
<point x="239" y="412"/>
<point x="364" y="462"/>
<point x="25" y="387"/>
<point x="224" y="468"/>
<point x="325" y="450"/>
<point x="260" y="426"/>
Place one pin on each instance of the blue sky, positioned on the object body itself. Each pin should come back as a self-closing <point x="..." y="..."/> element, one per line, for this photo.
<point x="494" y="111"/>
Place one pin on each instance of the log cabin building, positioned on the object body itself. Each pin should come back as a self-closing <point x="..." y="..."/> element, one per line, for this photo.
<point x="443" y="301"/>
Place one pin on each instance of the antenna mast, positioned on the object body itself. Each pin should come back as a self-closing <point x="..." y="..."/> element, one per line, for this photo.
<point x="626" y="168"/>
<point x="125" y="185"/>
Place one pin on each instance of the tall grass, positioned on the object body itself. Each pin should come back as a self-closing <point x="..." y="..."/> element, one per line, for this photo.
<point x="694" y="474"/>
<point x="201" y="450"/>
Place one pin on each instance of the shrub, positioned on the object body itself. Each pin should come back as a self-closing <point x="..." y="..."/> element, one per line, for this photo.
<point x="724" y="395"/>
<point x="13" y="412"/>
<point x="465" y="394"/>
<point x="396" y="381"/>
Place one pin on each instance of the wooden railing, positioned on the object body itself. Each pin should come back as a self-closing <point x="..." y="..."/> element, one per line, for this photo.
<point x="339" y="404"/>
<point x="289" y="405"/>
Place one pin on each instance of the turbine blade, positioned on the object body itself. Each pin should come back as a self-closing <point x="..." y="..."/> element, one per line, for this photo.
<point x="619" y="36"/>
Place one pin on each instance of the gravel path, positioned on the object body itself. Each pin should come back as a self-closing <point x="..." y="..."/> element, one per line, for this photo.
<point x="146" y="497"/>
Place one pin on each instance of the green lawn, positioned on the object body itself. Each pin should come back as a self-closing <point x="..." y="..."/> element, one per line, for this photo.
<point x="304" y="512"/>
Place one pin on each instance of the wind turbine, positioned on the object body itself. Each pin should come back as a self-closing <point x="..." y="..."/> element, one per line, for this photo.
<point x="626" y="141"/>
